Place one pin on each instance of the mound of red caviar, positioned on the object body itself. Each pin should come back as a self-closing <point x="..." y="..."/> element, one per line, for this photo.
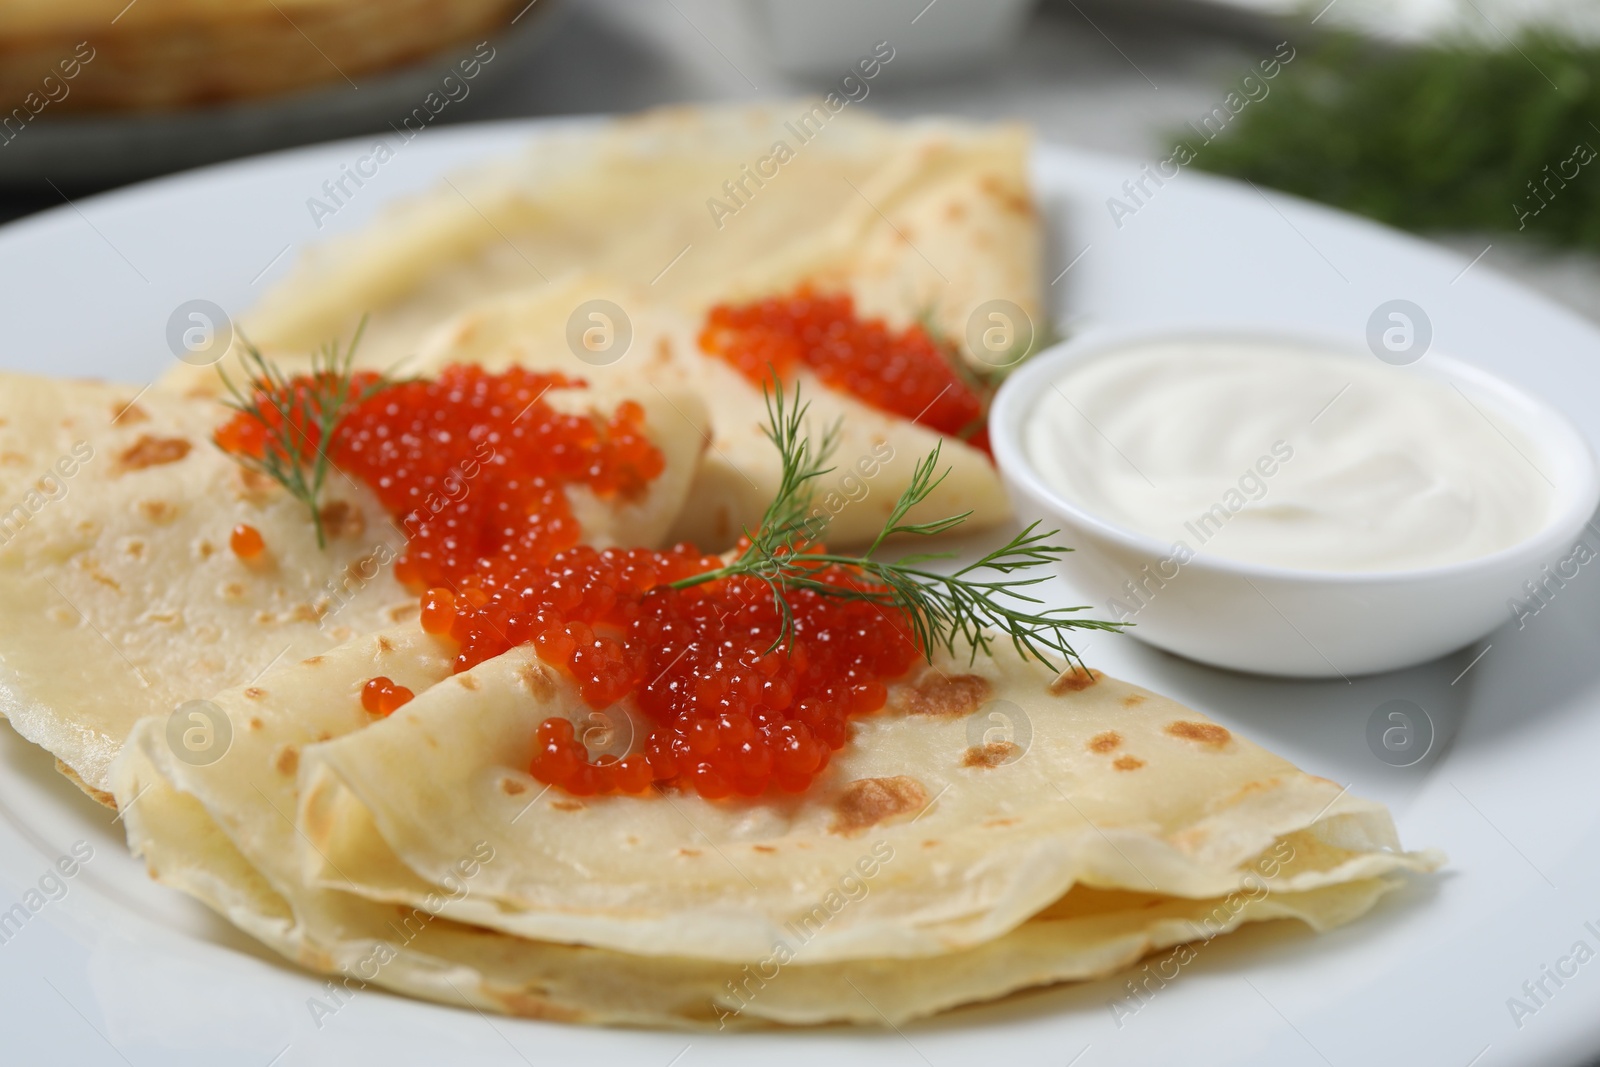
<point x="475" y="467"/>
<point x="728" y="713"/>
<point x="903" y="373"/>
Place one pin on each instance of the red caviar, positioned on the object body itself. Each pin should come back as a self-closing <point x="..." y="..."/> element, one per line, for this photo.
<point x="476" y="466"/>
<point x="904" y="373"/>
<point x="246" y="542"/>
<point x="727" y="715"/>
<point x="380" y="696"/>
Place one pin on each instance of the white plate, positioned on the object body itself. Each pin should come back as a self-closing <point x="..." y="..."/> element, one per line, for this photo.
<point x="1507" y="789"/>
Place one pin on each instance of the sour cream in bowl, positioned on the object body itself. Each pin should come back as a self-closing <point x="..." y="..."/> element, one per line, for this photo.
<point x="1292" y="505"/>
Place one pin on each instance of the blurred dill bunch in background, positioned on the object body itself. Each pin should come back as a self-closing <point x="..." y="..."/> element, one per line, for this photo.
<point x="1457" y="135"/>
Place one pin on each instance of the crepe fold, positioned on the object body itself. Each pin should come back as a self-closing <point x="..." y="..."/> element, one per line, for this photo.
<point x="881" y="895"/>
<point x="660" y="217"/>
<point x="120" y="597"/>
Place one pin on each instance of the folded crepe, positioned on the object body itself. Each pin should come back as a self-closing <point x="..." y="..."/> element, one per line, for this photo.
<point x="1115" y="788"/>
<point x="1100" y="869"/>
<point x="739" y="471"/>
<point x="919" y="221"/>
<point x="929" y="217"/>
<point x="120" y="597"/>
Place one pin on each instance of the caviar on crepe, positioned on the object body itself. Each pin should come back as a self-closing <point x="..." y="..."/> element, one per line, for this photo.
<point x="380" y="696"/>
<point x="246" y="542"/>
<point x="747" y="669"/>
<point x="903" y="372"/>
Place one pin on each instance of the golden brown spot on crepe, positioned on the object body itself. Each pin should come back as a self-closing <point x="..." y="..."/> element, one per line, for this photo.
<point x="513" y="787"/>
<point x="1074" y="679"/>
<point x="566" y="805"/>
<point x="205" y="549"/>
<point x="1106" y="742"/>
<point x="763" y="848"/>
<point x="869" y="801"/>
<point x="129" y="413"/>
<point x="1257" y="786"/>
<point x="158" y="511"/>
<point x="530" y="1005"/>
<point x="166" y="618"/>
<point x="384" y="644"/>
<point x="63" y="615"/>
<point x="286" y="759"/>
<point x="945" y="695"/>
<point x="538" y="680"/>
<point x="323" y="735"/>
<point x="1007" y="194"/>
<point x="307" y="612"/>
<point x="994" y="754"/>
<point x="930" y="844"/>
<point x="1127" y="763"/>
<point x="76" y="779"/>
<point x="255" y="693"/>
<point x="254" y="484"/>
<point x="312" y="662"/>
<point x="400" y="612"/>
<point x="1133" y="700"/>
<point x="469" y="683"/>
<point x="691" y="852"/>
<point x="92" y="568"/>
<point x="133" y="548"/>
<point x="339" y="519"/>
<point x="1207" y="733"/>
<point x="663" y="350"/>
<point x="232" y="591"/>
<point x="150" y="451"/>
<point x="13" y="459"/>
<point x="956" y="211"/>
<point x="252" y="723"/>
<point x="1002" y="822"/>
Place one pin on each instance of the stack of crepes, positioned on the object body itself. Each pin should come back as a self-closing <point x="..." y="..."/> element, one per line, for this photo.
<point x="995" y="827"/>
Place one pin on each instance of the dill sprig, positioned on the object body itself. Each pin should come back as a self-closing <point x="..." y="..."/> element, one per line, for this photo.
<point x="300" y="414"/>
<point x="974" y="606"/>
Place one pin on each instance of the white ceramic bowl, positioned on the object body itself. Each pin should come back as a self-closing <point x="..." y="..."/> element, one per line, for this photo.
<point x="1303" y="623"/>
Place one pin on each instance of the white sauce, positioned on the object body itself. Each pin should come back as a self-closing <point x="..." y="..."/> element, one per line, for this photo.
<point x="1289" y="456"/>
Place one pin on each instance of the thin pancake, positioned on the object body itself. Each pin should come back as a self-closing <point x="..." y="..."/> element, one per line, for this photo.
<point x="996" y="789"/>
<point x="221" y="833"/>
<point x="119" y="596"/>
